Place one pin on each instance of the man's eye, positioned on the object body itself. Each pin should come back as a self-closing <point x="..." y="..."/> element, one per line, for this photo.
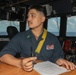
<point x="32" y="16"/>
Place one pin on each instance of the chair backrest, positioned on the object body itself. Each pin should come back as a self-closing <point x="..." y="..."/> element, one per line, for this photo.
<point x="12" y="31"/>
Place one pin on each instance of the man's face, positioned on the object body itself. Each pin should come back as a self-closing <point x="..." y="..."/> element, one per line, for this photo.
<point x="35" y="18"/>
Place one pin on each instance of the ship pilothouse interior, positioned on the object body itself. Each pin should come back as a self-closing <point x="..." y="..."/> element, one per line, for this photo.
<point x="61" y="21"/>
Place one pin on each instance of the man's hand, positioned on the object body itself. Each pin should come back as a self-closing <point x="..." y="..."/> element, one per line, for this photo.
<point x="67" y="64"/>
<point x="27" y="63"/>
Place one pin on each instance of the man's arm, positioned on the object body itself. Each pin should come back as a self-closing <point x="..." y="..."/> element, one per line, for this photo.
<point x="10" y="59"/>
<point x="25" y="63"/>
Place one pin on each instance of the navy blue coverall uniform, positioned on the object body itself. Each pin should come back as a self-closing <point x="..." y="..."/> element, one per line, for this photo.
<point x="22" y="43"/>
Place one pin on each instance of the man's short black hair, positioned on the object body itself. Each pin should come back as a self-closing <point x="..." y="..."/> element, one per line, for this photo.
<point x="38" y="8"/>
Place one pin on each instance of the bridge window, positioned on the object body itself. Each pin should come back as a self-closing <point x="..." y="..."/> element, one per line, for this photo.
<point x="4" y="24"/>
<point x="71" y="26"/>
<point x="54" y="25"/>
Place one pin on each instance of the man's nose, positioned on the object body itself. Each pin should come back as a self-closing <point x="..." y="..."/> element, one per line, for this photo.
<point x="29" y="18"/>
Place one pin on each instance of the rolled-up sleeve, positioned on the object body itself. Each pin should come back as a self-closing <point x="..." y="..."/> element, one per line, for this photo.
<point x="12" y="47"/>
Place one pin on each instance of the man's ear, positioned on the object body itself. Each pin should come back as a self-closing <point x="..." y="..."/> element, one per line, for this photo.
<point x="43" y="18"/>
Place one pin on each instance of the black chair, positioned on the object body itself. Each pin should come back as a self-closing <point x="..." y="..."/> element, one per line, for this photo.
<point x="12" y="31"/>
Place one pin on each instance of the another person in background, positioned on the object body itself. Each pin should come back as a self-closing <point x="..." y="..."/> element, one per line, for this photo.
<point x="26" y="42"/>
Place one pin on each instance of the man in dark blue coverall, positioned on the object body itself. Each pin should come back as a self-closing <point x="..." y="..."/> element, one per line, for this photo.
<point x="23" y="42"/>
